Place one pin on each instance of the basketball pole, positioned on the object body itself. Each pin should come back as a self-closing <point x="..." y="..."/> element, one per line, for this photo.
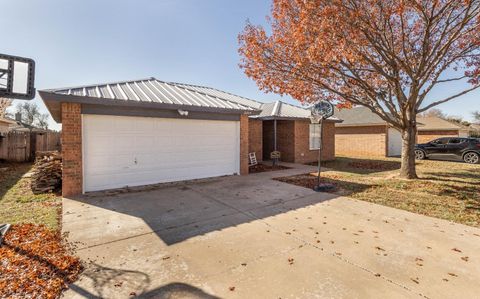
<point x="320" y="153"/>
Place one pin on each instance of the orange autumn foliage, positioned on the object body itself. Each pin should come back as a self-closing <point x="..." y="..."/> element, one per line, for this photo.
<point x="386" y="55"/>
<point x="34" y="263"/>
<point x="383" y="54"/>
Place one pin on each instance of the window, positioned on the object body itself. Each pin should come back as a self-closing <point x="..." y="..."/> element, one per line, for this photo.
<point x="440" y="141"/>
<point x="314" y="136"/>
<point x="456" y="141"/>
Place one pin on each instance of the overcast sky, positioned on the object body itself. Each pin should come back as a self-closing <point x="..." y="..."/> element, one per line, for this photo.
<point x="189" y="41"/>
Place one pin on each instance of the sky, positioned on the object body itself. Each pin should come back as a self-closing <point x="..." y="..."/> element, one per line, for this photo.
<point x="189" y="41"/>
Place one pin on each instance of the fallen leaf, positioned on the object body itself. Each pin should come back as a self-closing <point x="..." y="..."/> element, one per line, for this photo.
<point x="118" y="284"/>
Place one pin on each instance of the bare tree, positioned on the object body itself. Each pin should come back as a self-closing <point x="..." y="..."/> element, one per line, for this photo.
<point x="476" y="116"/>
<point x="4" y="104"/>
<point x="32" y="116"/>
<point x="434" y="112"/>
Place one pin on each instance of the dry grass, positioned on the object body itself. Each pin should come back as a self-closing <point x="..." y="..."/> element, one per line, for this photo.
<point x="17" y="202"/>
<point x="446" y="190"/>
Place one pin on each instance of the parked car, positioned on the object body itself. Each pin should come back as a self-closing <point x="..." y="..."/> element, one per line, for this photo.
<point x="467" y="149"/>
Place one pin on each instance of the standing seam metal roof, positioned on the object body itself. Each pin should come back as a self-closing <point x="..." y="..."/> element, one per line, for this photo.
<point x="156" y="91"/>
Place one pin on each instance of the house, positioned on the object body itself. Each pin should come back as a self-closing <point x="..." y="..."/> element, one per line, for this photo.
<point x="288" y="129"/>
<point x="149" y="131"/>
<point x="6" y="124"/>
<point x="363" y="133"/>
<point x="9" y="125"/>
<point x="430" y="128"/>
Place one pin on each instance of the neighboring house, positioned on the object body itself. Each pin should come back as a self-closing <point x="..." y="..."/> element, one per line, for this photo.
<point x="6" y="124"/>
<point x="430" y="128"/>
<point x="9" y="125"/>
<point x="475" y="130"/>
<point x="363" y="133"/>
<point x="148" y="131"/>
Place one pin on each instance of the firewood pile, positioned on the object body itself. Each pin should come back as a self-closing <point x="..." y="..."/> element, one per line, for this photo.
<point x="47" y="172"/>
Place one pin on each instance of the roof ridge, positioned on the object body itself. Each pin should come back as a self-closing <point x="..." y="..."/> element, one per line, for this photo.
<point x="181" y="85"/>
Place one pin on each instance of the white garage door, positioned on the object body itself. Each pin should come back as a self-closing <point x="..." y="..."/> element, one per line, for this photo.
<point x="121" y="151"/>
<point x="394" y="142"/>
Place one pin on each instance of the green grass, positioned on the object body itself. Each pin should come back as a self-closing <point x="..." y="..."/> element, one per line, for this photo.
<point x="446" y="190"/>
<point x="17" y="202"/>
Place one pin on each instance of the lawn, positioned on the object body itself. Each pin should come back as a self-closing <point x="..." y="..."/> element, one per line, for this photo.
<point x="17" y="202"/>
<point x="446" y="190"/>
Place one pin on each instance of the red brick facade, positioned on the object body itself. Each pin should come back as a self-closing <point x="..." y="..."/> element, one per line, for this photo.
<point x="72" y="176"/>
<point x="293" y="141"/>
<point x="244" y="144"/>
<point x="361" y="141"/>
<point x="303" y="154"/>
<point x="255" y="144"/>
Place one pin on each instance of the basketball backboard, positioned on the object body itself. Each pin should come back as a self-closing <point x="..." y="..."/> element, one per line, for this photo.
<point x="17" y="76"/>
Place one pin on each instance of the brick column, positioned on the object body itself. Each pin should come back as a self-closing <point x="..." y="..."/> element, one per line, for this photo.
<point x="72" y="175"/>
<point x="243" y="144"/>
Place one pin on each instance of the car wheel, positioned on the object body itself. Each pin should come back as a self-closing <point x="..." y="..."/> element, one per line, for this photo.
<point x="419" y="154"/>
<point x="471" y="158"/>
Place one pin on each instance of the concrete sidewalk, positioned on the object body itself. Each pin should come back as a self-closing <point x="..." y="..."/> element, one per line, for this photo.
<point x="253" y="237"/>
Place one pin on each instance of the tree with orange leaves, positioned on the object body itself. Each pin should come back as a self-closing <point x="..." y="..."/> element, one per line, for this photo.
<point x="387" y="55"/>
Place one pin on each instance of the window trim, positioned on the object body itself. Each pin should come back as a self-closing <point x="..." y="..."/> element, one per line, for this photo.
<point x="310" y="137"/>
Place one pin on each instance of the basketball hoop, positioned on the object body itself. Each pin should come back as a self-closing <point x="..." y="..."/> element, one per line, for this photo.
<point x="17" y="76"/>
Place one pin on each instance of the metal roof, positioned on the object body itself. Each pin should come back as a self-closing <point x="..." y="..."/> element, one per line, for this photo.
<point x="282" y="110"/>
<point x="222" y="94"/>
<point x="152" y="90"/>
<point x="153" y="93"/>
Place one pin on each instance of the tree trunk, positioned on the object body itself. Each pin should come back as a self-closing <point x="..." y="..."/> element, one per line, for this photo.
<point x="409" y="135"/>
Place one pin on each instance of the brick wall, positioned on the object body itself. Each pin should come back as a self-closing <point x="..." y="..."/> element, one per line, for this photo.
<point x="303" y="154"/>
<point x="255" y="144"/>
<point x="361" y="141"/>
<point x="426" y="136"/>
<point x="71" y="149"/>
<point x="244" y="137"/>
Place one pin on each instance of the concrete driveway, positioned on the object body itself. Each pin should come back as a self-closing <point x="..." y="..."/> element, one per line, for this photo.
<point x="253" y="237"/>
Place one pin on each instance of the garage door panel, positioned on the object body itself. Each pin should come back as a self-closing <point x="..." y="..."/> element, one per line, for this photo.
<point x="128" y="151"/>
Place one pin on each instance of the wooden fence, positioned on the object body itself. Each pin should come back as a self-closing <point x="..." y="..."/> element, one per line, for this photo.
<point x="21" y="146"/>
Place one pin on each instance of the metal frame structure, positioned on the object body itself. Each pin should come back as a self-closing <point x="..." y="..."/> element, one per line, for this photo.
<point x="320" y="112"/>
<point x="6" y="91"/>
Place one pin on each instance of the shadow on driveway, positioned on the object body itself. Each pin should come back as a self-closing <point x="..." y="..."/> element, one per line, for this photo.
<point x="177" y="213"/>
